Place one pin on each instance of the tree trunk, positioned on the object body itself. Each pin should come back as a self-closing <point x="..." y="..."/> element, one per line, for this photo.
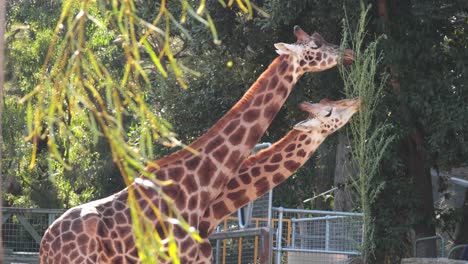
<point x="344" y="171"/>
<point x="415" y="157"/>
<point x="461" y="236"/>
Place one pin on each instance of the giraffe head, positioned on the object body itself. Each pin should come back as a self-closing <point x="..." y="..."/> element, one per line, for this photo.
<point x="313" y="53"/>
<point x="328" y="116"/>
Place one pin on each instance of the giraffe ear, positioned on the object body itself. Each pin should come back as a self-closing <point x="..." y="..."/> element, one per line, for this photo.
<point x="307" y="125"/>
<point x="283" y="48"/>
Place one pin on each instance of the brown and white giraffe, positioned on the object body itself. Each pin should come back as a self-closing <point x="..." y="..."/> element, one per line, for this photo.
<point x="266" y="169"/>
<point x="101" y="231"/>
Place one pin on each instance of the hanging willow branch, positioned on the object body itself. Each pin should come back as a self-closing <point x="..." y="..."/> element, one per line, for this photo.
<point x="77" y="84"/>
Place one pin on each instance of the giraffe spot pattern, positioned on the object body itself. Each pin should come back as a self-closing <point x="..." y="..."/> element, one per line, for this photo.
<point x="65" y="226"/>
<point x="206" y="249"/>
<point x="283" y="67"/>
<point x="203" y="228"/>
<point x="213" y="144"/>
<point x="262" y="85"/>
<point x="245" y="178"/>
<point x="278" y="177"/>
<point x="240" y="201"/>
<point x="270" y="111"/>
<point x="233" y="160"/>
<point x="301" y="153"/>
<point x="268" y="97"/>
<point x="276" y="158"/>
<point x="186" y="244"/>
<point x="237" y="136"/>
<point x="282" y="91"/>
<point x="290" y="147"/>
<point x="262" y="186"/>
<point x="235" y="195"/>
<point x="220" y="210"/>
<point x="258" y="101"/>
<point x="170" y="190"/>
<point x="193" y="202"/>
<point x="273" y="82"/>
<point x="76" y="226"/>
<point x="232" y="184"/>
<point x="189" y="183"/>
<point x="181" y="200"/>
<point x="254" y="135"/>
<point x="161" y="175"/>
<point x="251" y="115"/>
<point x="220" y="180"/>
<point x="204" y="199"/>
<point x="256" y="171"/>
<point x="192" y="163"/>
<point x="221" y="153"/>
<point x="270" y="168"/>
<point x="206" y="172"/>
<point x="292" y="165"/>
<point x="230" y="128"/>
<point x="176" y="173"/>
<point x="318" y="56"/>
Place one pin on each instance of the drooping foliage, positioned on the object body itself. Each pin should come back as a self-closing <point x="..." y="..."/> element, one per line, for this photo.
<point x="424" y="52"/>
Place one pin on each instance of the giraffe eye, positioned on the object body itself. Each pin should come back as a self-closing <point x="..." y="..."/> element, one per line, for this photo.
<point x="329" y="113"/>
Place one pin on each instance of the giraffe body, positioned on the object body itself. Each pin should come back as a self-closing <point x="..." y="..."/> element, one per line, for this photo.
<point x="197" y="178"/>
<point x="266" y="169"/>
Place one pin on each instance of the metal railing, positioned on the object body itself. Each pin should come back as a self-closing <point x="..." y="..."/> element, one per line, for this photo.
<point x="262" y="247"/>
<point x="317" y="236"/>
<point x="22" y="230"/>
<point x="432" y="247"/>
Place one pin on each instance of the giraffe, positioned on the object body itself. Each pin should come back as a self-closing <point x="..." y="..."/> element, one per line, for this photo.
<point x="101" y="231"/>
<point x="266" y="169"/>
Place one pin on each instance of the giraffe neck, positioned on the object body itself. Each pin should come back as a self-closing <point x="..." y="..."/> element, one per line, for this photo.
<point x="260" y="173"/>
<point x="224" y="146"/>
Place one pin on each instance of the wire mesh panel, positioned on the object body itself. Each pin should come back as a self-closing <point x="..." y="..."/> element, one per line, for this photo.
<point x="429" y="247"/>
<point x="251" y="245"/>
<point x="244" y="249"/>
<point x="22" y="230"/>
<point x="307" y="236"/>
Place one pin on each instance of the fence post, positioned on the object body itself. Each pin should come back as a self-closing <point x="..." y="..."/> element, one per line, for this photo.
<point x="279" y="235"/>
<point x="293" y="235"/>
<point x="327" y="232"/>
<point x="218" y="253"/>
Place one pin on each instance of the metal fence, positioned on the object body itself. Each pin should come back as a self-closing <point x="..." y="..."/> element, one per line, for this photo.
<point x="244" y="237"/>
<point x="22" y="230"/>
<point x="273" y="236"/>
<point x="321" y="237"/>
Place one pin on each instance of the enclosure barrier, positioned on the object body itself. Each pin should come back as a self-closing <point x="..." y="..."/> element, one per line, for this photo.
<point x="260" y="257"/>
<point x="22" y="229"/>
<point x="299" y="236"/>
<point x="424" y="247"/>
<point x="244" y="245"/>
<point x="319" y="237"/>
